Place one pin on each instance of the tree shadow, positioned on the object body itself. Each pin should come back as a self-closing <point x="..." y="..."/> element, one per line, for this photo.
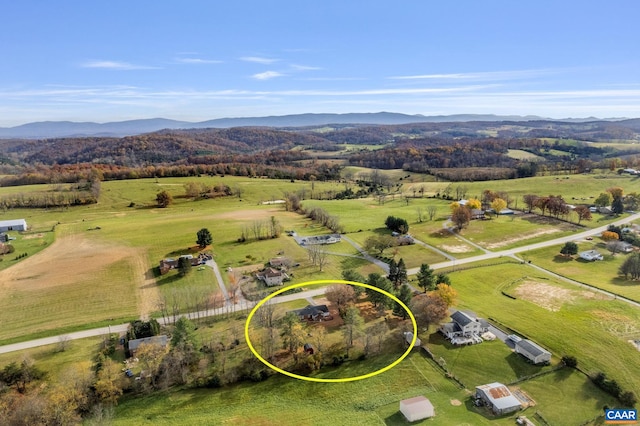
<point x="520" y="366"/>
<point x="188" y="250"/>
<point x="168" y="279"/>
<point x="563" y="374"/>
<point x="560" y="258"/>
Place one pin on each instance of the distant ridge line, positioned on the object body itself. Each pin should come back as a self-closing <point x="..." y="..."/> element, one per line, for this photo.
<point x="56" y="129"/>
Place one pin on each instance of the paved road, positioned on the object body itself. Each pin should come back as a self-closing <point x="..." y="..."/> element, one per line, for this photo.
<point x="509" y="252"/>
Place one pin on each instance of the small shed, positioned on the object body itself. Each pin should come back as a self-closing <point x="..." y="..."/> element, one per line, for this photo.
<point x="416" y="408"/>
<point x="408" y="336"/>
<point x="13" y="225"/>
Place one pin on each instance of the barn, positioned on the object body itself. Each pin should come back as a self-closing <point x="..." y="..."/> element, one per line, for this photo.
<point x="497" y="397"/>
<point x="13" y="225"/>
<point x="416" y="408"/>
<point x="532" y="351"/>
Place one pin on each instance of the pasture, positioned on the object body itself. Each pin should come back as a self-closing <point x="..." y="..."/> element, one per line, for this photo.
<point x="581" y="325"/>
<point x="601" y="274"/>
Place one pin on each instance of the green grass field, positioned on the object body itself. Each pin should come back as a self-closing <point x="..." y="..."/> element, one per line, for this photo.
<point x="580" y="324"/>
<point x="565" y="319"/>
<point x="601" y="274"/>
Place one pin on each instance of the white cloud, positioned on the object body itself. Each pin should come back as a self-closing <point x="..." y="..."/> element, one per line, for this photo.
<point x="197" y="61"/>
<point x="487" y="75"/>
<point x="115" y="65"/>
<point x="267" y="75"/>
<point x="258" y="59"/>
<point x="304" y="67"/>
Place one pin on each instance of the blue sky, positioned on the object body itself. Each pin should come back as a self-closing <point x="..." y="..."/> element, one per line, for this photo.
<point x="198" y="60"/>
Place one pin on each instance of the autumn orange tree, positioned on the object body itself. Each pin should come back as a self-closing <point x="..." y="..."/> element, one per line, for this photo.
<point x="609" y="236"/>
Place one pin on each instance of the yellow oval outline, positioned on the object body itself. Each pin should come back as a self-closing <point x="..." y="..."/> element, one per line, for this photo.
<point x="316" y="379"/>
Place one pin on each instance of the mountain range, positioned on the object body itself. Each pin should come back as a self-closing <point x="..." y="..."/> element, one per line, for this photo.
<point x="57" y="129"/>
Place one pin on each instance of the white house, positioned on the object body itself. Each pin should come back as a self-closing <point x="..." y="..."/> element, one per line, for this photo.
<point x="498" y="397"/>
<point x="532" y="351"/>
<point x="416" y="408"/>
<point x="13" y="225"/>
<point x="463" y="324"/>
<point x="272" y="277"/>
<point x="591" y="255"/>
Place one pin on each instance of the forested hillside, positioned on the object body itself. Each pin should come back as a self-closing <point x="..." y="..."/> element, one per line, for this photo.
<point x="457" y="151"/>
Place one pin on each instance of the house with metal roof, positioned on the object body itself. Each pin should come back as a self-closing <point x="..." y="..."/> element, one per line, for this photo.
<point x="497" y="397"/>
<point x="532" y="351"/>
<point x="160" y="340"/>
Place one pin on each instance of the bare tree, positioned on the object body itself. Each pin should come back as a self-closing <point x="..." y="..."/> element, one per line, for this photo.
<point x="420" y="213"/>
<point x="432" y="211"/>
<point x="341" y="295"/>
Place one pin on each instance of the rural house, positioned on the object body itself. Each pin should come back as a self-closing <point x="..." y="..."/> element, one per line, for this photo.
<point x="532" y="351"/>
<point x="272" y="277"/>
<point x="13" y="225"/>
<point x="497" y="397"/>
<point x="314" y="313"/>
<point x="416" y="408"/>
<point x="464" y="328"/>
<point x="591" y="255"/>
<point x="477" y="214"/>
<point x="321" y="239"/>
<point x="170" y="263"/>
<point x="280" y="262"/>
<point x="160" y="340"/>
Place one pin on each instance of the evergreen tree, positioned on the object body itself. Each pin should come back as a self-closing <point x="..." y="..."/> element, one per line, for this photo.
<point x="443" y="278"/>
<point x="184" y="333"/>
<point x="426" y="280"/>
<point x="204" y="238"/>
<point x="184" y="266"/>
<point x="393" y="271"/>
<point x="617" y="206"/>
<point x="401" y="277"/>
<point x="378" y="299"/>
<point x="405" y="295"/>
<point x="570" y="248"/>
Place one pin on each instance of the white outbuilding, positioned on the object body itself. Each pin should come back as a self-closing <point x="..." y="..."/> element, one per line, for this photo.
<point x="416" y="408"/>
<point x="13" y="225"/>
<point x="533" y="352"/>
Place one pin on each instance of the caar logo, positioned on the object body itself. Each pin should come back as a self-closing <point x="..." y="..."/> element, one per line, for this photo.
<point x="621" y="416"/>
